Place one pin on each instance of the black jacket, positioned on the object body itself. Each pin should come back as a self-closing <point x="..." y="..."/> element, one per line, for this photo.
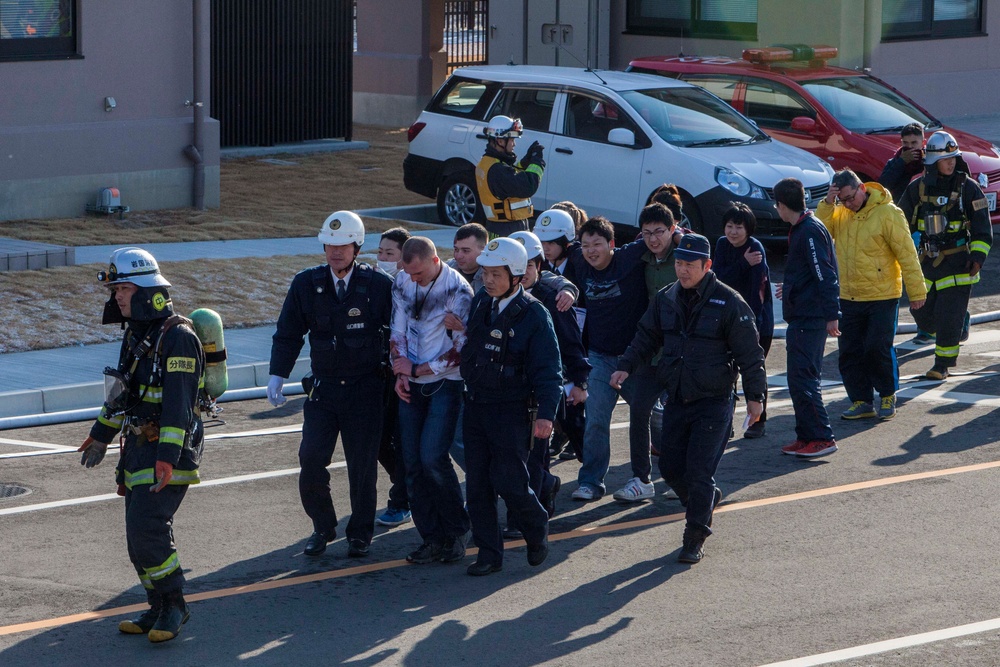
<point x="811" y="290"/>
<point x="704" y="349"/>
<point x="571" y="350"/>
<point x="505" y="181"/>
<point x="896" y="175"/>
<point x="346" y="339"/>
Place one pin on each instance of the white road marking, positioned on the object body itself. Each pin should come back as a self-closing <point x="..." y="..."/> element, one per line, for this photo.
<point x="890" y="645"/>
<point x="111" y="496"/>
<point x="29" y="443"/>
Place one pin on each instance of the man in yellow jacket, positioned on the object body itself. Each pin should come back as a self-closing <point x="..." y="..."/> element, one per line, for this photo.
<point x="876" y="256"/>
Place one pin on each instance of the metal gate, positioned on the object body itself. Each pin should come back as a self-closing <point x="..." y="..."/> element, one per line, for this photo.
<point x="282" y="70"/>
<point x="465" y="32"/>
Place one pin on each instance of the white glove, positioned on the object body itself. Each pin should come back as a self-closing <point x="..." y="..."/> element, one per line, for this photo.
<point x="274" y="394"/>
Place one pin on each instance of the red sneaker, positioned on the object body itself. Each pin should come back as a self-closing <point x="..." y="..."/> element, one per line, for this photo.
<point x="817" y="448"/>
<point x="793" y="447"/>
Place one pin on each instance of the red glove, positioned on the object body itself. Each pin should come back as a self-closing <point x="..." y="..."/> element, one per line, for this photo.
<point x="164" y="472"/>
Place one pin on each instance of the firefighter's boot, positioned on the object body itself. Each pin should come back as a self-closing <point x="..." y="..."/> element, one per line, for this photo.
<point x="173" y="615"/>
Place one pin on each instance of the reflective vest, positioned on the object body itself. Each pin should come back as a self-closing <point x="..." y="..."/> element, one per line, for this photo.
<point x="499" y="210"/>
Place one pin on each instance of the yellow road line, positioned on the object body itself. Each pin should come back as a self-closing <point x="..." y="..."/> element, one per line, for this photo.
<point x="571" y="534"/>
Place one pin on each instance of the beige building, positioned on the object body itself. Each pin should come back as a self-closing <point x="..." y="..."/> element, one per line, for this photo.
<point x="939" y="52"/>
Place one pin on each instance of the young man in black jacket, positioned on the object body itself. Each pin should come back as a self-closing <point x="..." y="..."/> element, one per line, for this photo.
<point x="810" y="304"/>
<point x="708" y="337"/>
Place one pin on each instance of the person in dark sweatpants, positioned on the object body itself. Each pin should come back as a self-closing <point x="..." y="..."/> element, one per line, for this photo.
<point x="810" y="299"/>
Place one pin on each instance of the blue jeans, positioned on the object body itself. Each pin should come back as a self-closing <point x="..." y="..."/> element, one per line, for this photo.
<point x="427" y="424"/>
<point x="458" y="445"/>
<point x="641" y="391"/>
<point x="804" y="342"/>
<point x="601" y="401"/>
<point x="694" y="437"/>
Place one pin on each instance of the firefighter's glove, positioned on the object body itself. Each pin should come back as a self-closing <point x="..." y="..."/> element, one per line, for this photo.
<point x="534" y="155"/>
<point x="93" y="452"/>
<point x="972" y="267"/>
<point x="274" y="394"/>
<point x="164" y="472"/>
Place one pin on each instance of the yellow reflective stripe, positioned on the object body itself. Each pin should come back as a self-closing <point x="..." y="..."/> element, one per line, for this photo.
<point x="928" y="284"/>
<point x="946" y="351"/>
<point x="148" y="476"/>
<point x="182" y="477"/>
<point x="947" y="281"/>
<point x="152" y="395"/>
<point x="534" y="169"/>
<point x="966" y="279"/>
<point x="147" y="583"/>
<point x="519" y="204"/>
<point x="160" y="571"/>
<point x="172" y="435"/>
<point x="114" y="422"/>
<point x="980" y="246"/>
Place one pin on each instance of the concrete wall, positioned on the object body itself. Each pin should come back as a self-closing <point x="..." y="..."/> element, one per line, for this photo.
<point x="58" y="145"/>
<point x="400" y="62"/>
<point x="947" y="76"/>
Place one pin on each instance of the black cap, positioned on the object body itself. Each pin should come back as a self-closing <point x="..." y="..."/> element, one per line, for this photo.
<point x="692" y="248"/>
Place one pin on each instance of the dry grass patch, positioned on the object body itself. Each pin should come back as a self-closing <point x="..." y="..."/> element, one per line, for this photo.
<point x="246" y="292"/>
<point x="259" y="199"/>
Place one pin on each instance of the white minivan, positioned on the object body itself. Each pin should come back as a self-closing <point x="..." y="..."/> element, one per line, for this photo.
<point x="610" y="139"/>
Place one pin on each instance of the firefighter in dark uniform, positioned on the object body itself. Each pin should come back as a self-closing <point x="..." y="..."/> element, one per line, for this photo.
<point x="505" y="187"/>
<point x="544" y="286"/>
<point x="709" y="337"/>
<point x="345" y="308"/>
<point x="152" y="398"/>
<point x="951" y="214"/>
<point x="510" y="363"/>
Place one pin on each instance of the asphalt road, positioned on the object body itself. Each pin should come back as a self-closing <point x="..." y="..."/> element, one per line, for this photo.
<point x="893" y="536"/>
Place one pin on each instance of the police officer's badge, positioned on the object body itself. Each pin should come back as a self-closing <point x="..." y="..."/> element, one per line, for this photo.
<point x="545" y="221"/>
<point x="354" y="312"/>
<point x="494" y="245"/>
<point x="496" y="333"/>
<point x="335" y="224"/>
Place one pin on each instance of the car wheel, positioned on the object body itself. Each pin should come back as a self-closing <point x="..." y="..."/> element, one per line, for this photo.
<point x="693" y="214"/>
<point x="458" y="200"/>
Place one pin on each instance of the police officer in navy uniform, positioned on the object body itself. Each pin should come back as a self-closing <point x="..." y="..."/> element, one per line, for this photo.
<point x="511" y="367"/>
<point x="345" y="308"/>
<point x="708" y="336"/>
<point x="153" y="398"/>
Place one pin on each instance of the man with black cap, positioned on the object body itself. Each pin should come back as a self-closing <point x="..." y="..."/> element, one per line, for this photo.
<point x="152" y="397"/>
<point x="708" y="336"/>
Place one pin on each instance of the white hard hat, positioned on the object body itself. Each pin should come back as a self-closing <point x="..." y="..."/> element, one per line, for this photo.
<point x="342" y="228"/>
<point x="133" y="265"/>
<point x="555" y="224"/>
<point x="505" y="252"/>
<point x="941" y="145"/>
<point x="532" y="246"/>
<point x="503" y="127"/>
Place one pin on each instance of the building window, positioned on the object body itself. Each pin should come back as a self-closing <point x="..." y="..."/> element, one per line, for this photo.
<point x="719" y="19"/>
<point x="37" y="29"/>
<point x="910" y="19"/>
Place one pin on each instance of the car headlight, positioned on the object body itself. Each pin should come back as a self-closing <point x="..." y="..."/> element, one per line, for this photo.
<point x="996" y="149"/>
<point x="737" y="183"/>
<point x="827" y="169"/>
<point x="984" y="180"/>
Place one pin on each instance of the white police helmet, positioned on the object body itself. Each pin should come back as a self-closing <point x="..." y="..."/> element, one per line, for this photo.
<point x="504" y="127"/>
<point x="941" y="145"/>
<point x="531" y="244"/>
<point x="133" y="265"/>
<point x="505" y="252"/>
<point x="553" y="225"/>
<point x="342" y="228"/>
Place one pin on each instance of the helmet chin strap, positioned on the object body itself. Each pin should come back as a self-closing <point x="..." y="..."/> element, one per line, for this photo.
<point x="513" y="285"/>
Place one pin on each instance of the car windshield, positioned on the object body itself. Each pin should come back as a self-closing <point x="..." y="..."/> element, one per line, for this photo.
<point x="692" y="117"/>
<point x="862" y="104"/>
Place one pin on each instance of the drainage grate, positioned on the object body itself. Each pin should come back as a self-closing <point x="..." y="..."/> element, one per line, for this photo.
<point x="12" y="490"/>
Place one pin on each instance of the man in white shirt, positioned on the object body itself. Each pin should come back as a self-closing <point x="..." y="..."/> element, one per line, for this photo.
<point x="425" y="360"/>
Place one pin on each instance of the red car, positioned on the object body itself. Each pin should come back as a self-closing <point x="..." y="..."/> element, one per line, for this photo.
<point x="848" y="118"/>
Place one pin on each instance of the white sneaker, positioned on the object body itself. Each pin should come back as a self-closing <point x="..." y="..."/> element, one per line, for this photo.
<point x="584" y="492"/>
<point x="634" y="491"/>
<point x="670" y="494"/>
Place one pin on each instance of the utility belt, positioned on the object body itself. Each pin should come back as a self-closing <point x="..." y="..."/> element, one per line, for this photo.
<point x="149" y="429"/>
<point x="935" y="251"/>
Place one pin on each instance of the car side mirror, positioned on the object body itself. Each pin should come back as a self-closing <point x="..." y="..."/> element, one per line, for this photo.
<point x="621" y="136"/>
<point x="806" y="125"/>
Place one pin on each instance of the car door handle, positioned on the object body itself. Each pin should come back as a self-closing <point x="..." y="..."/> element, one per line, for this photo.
<point x="480" y="136"/>
<point x="567" y="151"/>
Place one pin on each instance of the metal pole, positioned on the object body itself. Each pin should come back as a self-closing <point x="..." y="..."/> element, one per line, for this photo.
<point x="196" y="151"/>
